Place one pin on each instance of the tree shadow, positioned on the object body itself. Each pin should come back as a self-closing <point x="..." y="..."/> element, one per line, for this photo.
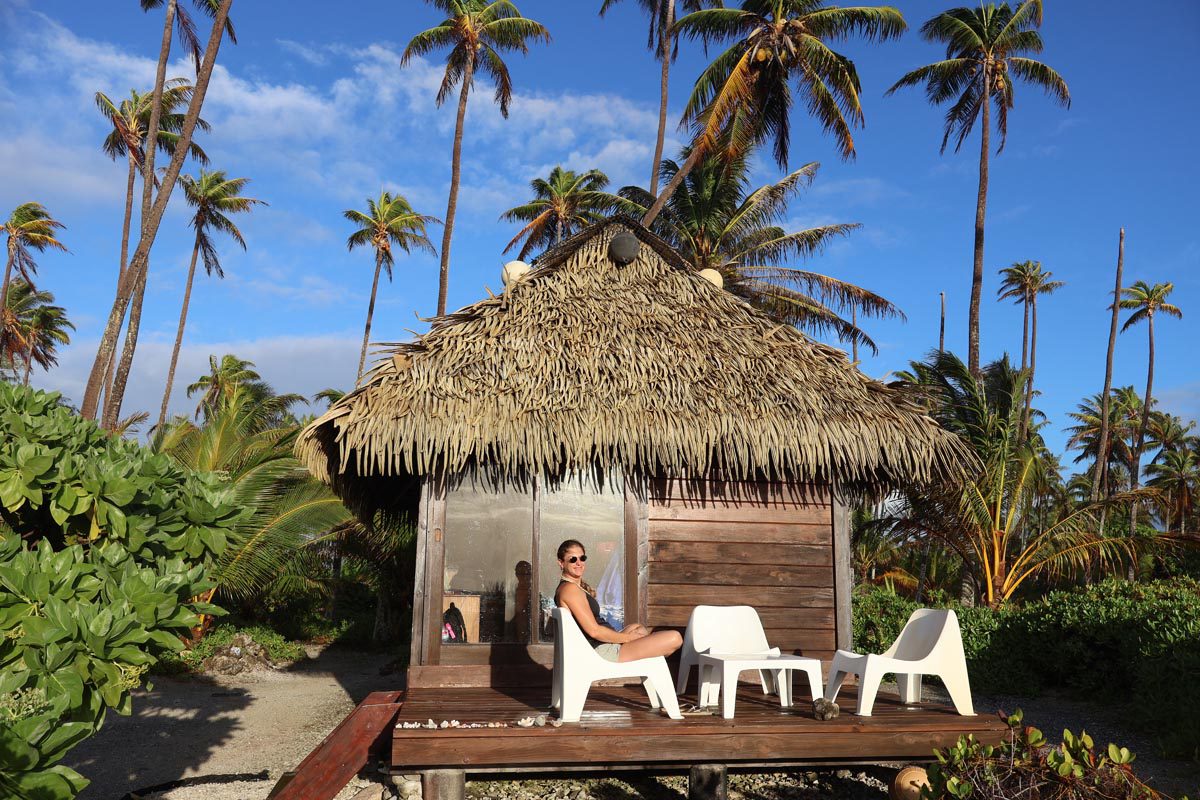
<point x="173" y="729"/>
<point x="266" y="721"/>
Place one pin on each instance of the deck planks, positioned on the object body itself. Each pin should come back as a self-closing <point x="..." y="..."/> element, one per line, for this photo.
<point x="619" y="729"/>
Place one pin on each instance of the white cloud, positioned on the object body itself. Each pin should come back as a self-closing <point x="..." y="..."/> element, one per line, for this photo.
<point x="312" y="55"/>
<point x="300" y="364"/>
<point x="1183" y="400"/>
<point x="60" y="174"/>
<point x="857" y="191"/>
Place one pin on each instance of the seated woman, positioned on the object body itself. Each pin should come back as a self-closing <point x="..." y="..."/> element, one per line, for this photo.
<point x="629" y="644"/>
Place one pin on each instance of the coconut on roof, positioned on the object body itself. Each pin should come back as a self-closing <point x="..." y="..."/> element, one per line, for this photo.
<point x="644" y="367"/>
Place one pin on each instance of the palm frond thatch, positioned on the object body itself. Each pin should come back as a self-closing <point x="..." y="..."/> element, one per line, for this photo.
<point x="644" y="367"/>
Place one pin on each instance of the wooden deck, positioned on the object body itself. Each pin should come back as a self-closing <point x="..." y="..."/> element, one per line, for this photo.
<point x="618" y="729"/>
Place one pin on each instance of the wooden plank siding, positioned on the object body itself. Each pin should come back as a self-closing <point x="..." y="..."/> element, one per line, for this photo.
<point x="768" y="545"/>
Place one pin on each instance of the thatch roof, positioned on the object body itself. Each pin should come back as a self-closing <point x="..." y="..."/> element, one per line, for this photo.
<point x="646" y="367"/>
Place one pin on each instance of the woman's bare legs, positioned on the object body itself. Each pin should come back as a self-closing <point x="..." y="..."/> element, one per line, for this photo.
<point x="659" y="643"/>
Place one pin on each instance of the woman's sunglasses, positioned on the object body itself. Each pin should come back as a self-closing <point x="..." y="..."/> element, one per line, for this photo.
<point x="573" y="559"/>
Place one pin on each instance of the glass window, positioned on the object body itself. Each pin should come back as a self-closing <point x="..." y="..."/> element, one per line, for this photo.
<point x="488" y="565"/>
<point x="596" y="518"/>
<point x="489" y="548"/>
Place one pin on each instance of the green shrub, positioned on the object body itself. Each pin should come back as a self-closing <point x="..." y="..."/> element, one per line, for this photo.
<point x="103" y="549"/>
<point x="878" y="617"/>
<point x="1026" y="765"/>
<point x="1116" y="642"/>
<point x="278" y="648"/>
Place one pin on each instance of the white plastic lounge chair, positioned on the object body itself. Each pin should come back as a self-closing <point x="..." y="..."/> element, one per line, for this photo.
<point x="930" y="644"/>
<point x="577" y="666"/>
<point x="724" y="641"/>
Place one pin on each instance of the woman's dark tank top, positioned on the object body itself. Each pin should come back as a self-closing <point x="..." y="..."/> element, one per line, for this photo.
<point x="593" y="605"/>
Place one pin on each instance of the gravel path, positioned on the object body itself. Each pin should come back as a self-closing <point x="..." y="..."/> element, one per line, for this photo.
<point x="259" y="726"/>
<point x="265" y="722"/>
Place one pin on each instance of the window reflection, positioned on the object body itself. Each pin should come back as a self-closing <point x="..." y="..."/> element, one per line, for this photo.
<point x="487" y="576"/>
<point x="596" y="518"/>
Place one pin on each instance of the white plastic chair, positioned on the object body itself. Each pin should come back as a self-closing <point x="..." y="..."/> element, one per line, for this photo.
<point x="930" y="644"/>
<point x="724" y="641"/>
<point x="577" y="666"/>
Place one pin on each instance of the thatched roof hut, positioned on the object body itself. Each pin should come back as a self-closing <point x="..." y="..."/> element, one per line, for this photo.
<point x="644" y="367"/>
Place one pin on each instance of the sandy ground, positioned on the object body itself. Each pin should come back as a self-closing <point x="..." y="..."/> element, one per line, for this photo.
<point x="248" y="725"/>
<point x="245" y="724"/>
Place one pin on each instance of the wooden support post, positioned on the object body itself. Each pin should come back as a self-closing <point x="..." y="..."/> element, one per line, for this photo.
<point x="707" y="782"/>
<point x="443" y="784"/>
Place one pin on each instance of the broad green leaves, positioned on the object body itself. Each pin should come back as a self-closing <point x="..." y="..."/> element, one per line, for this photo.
<point x="112" y="545"/>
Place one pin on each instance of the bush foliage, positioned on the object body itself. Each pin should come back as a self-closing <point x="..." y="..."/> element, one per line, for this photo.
<point x="1131" y="644"/>
<point x="278" y="648"/>
<point x="1026" y="765"/>
<point x="103" y="548"/>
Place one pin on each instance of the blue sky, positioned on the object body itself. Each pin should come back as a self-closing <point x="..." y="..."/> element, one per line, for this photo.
<point x="315" y="109"/>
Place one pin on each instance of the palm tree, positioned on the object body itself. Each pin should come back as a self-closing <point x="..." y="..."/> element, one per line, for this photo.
<point x="1115" y="307"/>
<point x="661" y="41"/>
<point x="1023" y="282"/>
<point x="1178" y="478"/>
<point x="329" y="395"/>
<point x="232" y="375"/>
<point x="991" y="521"/>
<point x="1108" y="443"/>
<point x="130" y="120"/>
<point x="562" y="204"/>
<point x="390" y="220"/>
<point x="745" y="94"/>
<point x="288" y="511"/>
<point x="1169" y="433"/>
<point x="214" y="197"/>
<point x="32" y="327"/>
<point x="476" y="31"/>
<point x="717" y="221"/>
<point x="986" y="49"/>
<point x="29" y="227"/>
<point x="152" y="213"/>
<point x="1145" y="301"/>
<point x="117" y="375"/>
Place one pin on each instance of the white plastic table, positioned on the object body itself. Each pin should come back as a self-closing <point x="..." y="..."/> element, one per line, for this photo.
<point x="719" y="675"/>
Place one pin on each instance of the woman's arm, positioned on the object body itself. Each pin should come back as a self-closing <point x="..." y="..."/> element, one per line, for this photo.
<point x="573" y="598"/>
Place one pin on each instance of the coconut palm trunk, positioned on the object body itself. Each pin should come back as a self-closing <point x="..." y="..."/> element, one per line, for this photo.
<point x="116" y="379"/>
<point x="183" y="312"/>
<point x="662" y="96"/>
<point x="8" y="266"/>
<point x="980" y="217"/>
<point x="1031" y="311"/>
<point x="160" y="79"/>
<point x="140" y="260"/>
<point x="112" y="402"/>
<point x="362" y="358"/>
<point x="1025" y="336"/>
<point x="1100" y="473"/>
<point x="455" y="174"/>
<point x="108" y="377"/>
<point x="677" y="179"/>
<point x="1135" y="473"/>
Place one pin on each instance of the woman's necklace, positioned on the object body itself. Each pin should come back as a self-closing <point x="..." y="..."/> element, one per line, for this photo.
<point x="569" y="579"/>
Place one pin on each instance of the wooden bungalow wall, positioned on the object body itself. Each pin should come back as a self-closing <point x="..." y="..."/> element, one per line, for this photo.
<point x="768" y="545"/>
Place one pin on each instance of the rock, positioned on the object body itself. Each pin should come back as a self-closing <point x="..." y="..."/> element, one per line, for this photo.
<point x="842" y="774"/>
<point x="825" y="710"/>
<point x="242" y="654"/>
